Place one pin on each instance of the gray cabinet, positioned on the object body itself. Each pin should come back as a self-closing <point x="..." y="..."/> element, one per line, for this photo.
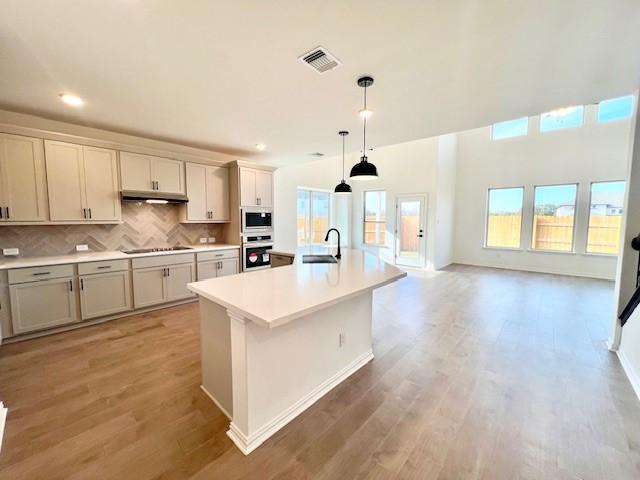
<point x="256" y="188"/>
<point x="146" y="173"/>
<point x="104" y="294"/>
<point x="162" y="279"/>
<point x="218" y="263"/>
<point x="43" y="304"/>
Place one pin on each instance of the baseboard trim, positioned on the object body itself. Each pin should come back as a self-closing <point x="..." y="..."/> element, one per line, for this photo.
<point x="248" y="444"/>
<point x="534" y="270"/>
<point x="633" y="377"/>
<point x="213" y="399"/>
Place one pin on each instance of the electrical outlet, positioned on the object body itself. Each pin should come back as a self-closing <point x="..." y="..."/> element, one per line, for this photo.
<point x="212" y="239"/>
<point x="82" y="248"/>
<point x="10" y="252"/>
<point x="203" y="240"/>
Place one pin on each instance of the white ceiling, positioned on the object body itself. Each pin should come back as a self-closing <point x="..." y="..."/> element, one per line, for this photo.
<point x="225" y="74"/>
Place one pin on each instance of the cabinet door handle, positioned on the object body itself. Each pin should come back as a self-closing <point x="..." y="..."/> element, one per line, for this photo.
<point x="168" y="272"/>
<point x="41" y="273"/>
<point x="1" y="216"/>
<point x="89" y="213"/>
<point x="84" y="213"/>
<point x="164" y="272"/>
<point x="157" y="185"/>
<point x="81" y="284"/>
<point x="102" y="267"/>
<point x="71" y="285"/>
<point x="8" y="217"/>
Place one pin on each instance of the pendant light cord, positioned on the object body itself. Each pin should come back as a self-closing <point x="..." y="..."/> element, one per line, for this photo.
<point x="364" y="125"/>
<point x="343" y="158"/>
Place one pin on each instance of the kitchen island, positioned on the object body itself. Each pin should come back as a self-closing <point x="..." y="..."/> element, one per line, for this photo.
<point x="275" y="341"/>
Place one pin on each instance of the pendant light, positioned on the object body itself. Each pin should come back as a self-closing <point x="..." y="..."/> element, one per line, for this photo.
<point x="363" y="170"/>
<point x="343" y="188"/>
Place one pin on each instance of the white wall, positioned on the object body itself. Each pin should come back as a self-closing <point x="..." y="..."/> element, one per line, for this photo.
<point x="445" y="200"/>
<point x="594" y="152"/>
<point x="406" y="168"/>
<point x="322" y="174"/>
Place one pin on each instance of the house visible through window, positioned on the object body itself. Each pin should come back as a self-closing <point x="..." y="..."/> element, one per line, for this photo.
<point x="605" y="217"/>
<point x="615" y="109"/>
<point x="510" y="128"/>
<point x="375" y="217"/>
<point x="554" y="217"/>
<point x="504" y="217"/>
<point x="314" y="216"/>
<point x="567" y="117"/>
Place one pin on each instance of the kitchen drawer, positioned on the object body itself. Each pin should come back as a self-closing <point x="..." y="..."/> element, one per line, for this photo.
<point x="33" y="274"/>
<point x="103" y="267"/>
<point x="218" y="254"/>
<point x="278" y="260"/>
<point x="162" y="260"/>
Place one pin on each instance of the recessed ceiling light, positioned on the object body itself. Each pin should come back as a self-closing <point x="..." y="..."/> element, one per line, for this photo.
<point x="261" y="146"/>
<point x="71" y="100"/>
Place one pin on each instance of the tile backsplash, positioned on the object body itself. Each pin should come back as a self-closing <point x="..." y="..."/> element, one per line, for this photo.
<point x="143" y="225"/>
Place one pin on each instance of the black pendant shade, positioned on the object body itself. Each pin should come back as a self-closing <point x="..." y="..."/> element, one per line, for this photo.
<point x="363" y="170"/>
<point x="343" y="188"/>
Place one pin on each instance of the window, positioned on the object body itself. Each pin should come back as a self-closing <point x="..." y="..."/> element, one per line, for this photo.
<point x="553" y="217"/>
<point x="504" y="217"/>
<point x="615" y="109"/>
<point x="375" y="217"/>
<point x="605" y="217"/>
<point x="568" y="117"/>
<point x="511" y="128"/>
<point x="314" y="207"/>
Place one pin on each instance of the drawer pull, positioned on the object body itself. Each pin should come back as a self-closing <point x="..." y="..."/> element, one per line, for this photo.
<point x="41" y="273"/>
<point x="102" y="267"/>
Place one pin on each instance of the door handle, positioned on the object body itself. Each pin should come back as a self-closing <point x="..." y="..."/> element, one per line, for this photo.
<point x="8" y="217"/>
<point x="168" y="272"/>
<point x="84" y="213"/>
<point x="1" y="216"/>
<point x="82" y="284"/>
<point x="71" y="285"/>
<point x="89" y="213"/>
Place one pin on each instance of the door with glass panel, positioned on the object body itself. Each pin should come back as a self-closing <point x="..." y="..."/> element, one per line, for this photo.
<point x="410" y="230"/>
<point x="314" y="216"/>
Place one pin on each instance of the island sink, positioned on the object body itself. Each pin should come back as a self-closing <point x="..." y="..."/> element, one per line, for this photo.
<point x="319" y="259"/>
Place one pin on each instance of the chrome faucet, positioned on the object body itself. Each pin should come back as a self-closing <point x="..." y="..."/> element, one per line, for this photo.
<point x="326" y="239"/>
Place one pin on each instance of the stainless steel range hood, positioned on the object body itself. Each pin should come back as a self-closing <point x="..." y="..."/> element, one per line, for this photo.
<point x="152" y="197"/>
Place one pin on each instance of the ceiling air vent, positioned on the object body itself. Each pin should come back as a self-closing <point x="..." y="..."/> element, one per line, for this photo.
<point x="320" y="59"/>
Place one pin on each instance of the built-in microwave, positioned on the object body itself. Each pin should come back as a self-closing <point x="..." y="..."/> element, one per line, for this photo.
<point x="256" y="218"/>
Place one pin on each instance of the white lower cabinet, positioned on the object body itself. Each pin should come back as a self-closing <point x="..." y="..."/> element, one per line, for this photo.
<point x="218" y="264"/>
<point x="43" y="304"/>
<point x="176" y="281"/>
<point x="162" y="279"/>
<point x="148" y="286"/>
<point x="105" y="294"/>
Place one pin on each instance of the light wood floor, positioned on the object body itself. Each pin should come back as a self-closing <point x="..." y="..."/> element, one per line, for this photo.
<point x="479" y="374"/>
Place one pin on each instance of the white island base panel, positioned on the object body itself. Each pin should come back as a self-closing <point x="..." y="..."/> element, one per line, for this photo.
<point x="262" y="378"/>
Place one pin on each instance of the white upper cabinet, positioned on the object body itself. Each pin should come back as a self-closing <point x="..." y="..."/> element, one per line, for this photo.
<point x="146" y="173"/>
<point x="23" y="196"/>
<point x="101" y="184"/>
<point x="208" y="192"/>
<point x="218" y="193"/>
<point x="256" y="188"/>
<point x="82" y="182"/>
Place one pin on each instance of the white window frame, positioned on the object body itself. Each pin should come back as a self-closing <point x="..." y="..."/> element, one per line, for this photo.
<point x="364" y="217"/>
<point x="575" y="219"/>
<point x="486" y="219"/>
<point x="310" y="191"/>
<point x="586" y="240"/>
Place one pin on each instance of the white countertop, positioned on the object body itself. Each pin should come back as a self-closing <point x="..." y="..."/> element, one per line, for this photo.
<point x="275" y="296"/>
<point x="81" y="257"/>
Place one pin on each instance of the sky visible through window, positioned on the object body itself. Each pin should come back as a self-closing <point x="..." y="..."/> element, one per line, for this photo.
<point x="607" y="193"/>
<point x="557" y="195"/>
<point x="570" y="117"/>
<point x="510" y="128"/>
<point x="615" y="109"/>
<point x="505" y="200"/>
